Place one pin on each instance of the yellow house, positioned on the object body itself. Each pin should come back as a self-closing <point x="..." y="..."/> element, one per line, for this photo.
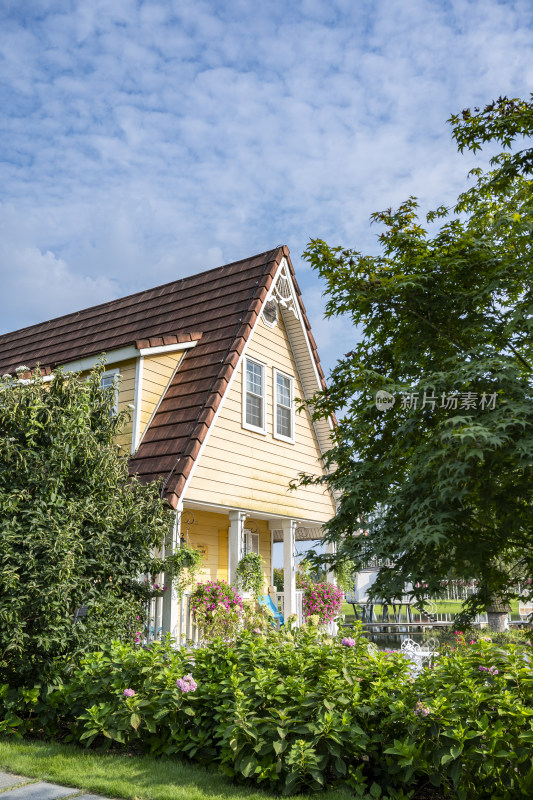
<point x="211" y="366"/>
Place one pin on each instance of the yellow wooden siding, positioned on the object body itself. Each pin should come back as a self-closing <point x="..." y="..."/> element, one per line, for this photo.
<point x="250" y="470"/>
<point x="157" y="372"/>
<point x="201" y="529"/>
<point x="126" y="398"/>
<point x="222" y="568"/>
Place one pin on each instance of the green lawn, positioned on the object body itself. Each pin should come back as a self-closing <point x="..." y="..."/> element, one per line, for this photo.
<point x="443" y="607"/>
<point x="124" y="776"/>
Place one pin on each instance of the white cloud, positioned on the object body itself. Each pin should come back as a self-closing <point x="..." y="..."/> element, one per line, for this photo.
<point x="145" y="141"/>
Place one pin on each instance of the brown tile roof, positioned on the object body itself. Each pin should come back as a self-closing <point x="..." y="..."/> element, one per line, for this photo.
<point x="216" y="308"/>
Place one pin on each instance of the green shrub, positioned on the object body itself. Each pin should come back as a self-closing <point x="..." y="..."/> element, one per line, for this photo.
<point x="297" y="711"/>
<point x="76" y="531"/>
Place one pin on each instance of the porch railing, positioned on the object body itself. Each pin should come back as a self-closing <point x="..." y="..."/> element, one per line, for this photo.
<point x="186" y="630"/>
<point x="280" y="597"/>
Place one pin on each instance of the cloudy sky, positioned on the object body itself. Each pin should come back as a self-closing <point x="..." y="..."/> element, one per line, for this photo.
<point x="144" y="141"/>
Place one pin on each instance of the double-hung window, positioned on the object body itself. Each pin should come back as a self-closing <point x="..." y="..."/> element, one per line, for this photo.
<point x="283" y="407"/>
<point x="110" y="380"/>
<point x="254" y="396"/>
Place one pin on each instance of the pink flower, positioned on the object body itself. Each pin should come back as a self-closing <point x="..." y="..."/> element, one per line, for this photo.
<point x="129" y="692"/>
<point x="348" y="641"/>
<point x="187" y="684"/>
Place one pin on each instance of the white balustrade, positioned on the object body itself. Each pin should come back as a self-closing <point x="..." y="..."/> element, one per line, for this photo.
<point x="187" y="631"/>
<point x="280" y="601"/>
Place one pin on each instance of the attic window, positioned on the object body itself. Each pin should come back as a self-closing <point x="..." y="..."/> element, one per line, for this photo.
<point x="254" y="396"/>
<point x="283" y="407"/>
<point x="270" y="313"/>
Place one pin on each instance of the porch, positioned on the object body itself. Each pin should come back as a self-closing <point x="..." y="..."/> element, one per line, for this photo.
<point x="224" y="536"/>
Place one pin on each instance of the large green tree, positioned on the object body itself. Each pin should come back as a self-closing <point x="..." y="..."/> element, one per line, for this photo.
<point x="76" y="531"/>
<point x="440" y="483"/>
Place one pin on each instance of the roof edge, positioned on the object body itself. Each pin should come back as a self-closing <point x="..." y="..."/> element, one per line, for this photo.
<point x="177" y="478"/>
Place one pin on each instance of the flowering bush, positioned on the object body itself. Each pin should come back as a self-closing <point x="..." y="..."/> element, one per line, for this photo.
<point x="217" y="609"/>
<point x="322" y="599"/>
<point x="362" y="719"/>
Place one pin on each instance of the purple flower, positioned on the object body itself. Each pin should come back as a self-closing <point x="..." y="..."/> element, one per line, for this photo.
<point x="483" y="669"/>
<point x="348" y="641"/>
<point x="421" y="710"/>
<point x="186" y="684"/>
<point x="129" y="692"/>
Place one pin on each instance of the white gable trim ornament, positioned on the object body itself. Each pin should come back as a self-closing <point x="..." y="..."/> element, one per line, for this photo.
<point x="282" y="292"/>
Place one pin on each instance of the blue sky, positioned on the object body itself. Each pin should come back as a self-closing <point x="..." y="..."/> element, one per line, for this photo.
<point x="144" y="141"/>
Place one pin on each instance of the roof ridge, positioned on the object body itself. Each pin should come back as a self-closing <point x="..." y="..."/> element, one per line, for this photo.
<point x="140" y="292"/>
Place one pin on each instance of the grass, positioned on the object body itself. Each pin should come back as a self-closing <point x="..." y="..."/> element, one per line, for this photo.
<point x="127" y="776"/>
<point x="443" y="607"/>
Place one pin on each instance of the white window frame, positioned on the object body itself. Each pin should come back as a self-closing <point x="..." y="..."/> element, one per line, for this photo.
<point x="275" y="434"/>
<point x="114" y="373"/>
<point x="245" y="424"/>
<point x="250" y="542"/>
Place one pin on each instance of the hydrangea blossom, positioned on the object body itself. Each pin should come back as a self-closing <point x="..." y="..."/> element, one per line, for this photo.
<point x="186" y="684"/>
<point x="490" y="670"/>
<point x="348" y="641"/>
<point x="421" y="710"/>
<point x="129" y="692"/>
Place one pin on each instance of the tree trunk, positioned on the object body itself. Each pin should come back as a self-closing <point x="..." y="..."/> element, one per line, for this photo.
<point x="498" y="615"/>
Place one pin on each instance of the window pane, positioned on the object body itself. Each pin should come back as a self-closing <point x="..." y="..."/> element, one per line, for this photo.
<point x="283" y="385"/>
<point x="254" y="410"/>
<point x="106" y="381"/>
<point x="283" y="417"/>
<point x="254" y="378"/>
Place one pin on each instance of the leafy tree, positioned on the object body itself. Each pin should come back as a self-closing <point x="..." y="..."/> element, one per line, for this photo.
<point x="76" y="530"/>
<point x="440" y="487"/>
<point x="278" y="578"/>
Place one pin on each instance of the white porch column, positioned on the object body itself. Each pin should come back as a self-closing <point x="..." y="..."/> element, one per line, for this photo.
<point x="235" y="540"/>
<point x="170" y="600"/>
<point x="288" y="526"/>
<point x="331" y="547"/>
